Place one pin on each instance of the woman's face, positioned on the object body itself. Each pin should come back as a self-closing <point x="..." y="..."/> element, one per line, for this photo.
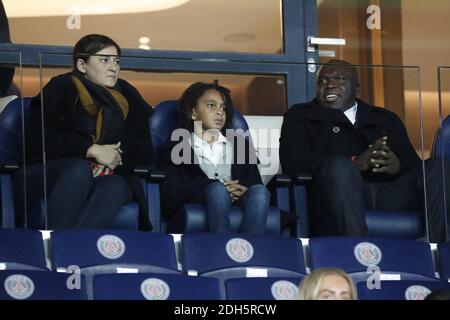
<point x="334" y="287"/>
<point x="102" y="68"/>
<point x="210" y="110"/>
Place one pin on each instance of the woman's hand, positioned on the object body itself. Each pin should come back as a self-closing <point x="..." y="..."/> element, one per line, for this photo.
<point x="106" y="154"/>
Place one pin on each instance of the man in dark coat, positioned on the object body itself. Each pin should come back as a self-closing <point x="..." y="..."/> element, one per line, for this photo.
<point x="360" y="158"/>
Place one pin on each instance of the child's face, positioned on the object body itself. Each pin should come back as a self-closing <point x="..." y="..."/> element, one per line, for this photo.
<point x="210" y="110"/>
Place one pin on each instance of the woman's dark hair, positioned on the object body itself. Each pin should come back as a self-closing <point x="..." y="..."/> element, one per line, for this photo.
<point x="189" y="99"/>
<point x="90" y="45"/>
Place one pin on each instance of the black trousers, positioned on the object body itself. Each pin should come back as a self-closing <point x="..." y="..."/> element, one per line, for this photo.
<point x="339" y="196"/>
<point x="75" y="199"/>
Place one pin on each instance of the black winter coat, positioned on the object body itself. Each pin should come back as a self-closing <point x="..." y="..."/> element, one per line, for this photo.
<point x="184" y="182"/>
<point x="311" y="133"/>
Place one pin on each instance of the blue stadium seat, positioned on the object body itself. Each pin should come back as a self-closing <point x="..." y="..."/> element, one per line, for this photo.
<point x="400" y="290"/>
<point x="105" y="250"/>
<point x="443" y="250"/>
<point x="11" y="154"/>
<point x="403" y="259"/>
<point x="441" y="141"/>
<point x="273" y="288"/>
<point x="111" y="251"/>
<point x="192" y="218"/>
<point x="22" y="249"/>
<point x="40" y="285"/>
<point x="227" y="256"/>
<point x="145" y="286"/>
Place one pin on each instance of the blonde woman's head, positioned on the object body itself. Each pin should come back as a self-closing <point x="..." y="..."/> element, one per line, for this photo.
<point x="327" y="284"/>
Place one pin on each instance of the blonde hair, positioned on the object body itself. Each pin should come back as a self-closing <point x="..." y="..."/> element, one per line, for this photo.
<point x="309" y="287"/>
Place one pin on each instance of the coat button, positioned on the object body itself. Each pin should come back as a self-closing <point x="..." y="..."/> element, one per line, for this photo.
<point x="216" y="174"/>
<point x="336" y="129"/>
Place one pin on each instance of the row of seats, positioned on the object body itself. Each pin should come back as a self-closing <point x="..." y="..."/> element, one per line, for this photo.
<point x="219" y="256"/>
<point x="41" y="285"/>
<point x="288" y="214"/>
<point x="190" y="218"/>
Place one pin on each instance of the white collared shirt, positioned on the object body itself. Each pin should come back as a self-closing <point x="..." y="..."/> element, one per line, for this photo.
<point x="351" y="113"/>
<point x="211" y="154"/>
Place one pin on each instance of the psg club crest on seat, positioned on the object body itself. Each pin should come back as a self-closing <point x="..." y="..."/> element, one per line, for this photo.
<point x="284" y="290"/>
<point x="155" y="289"/>
<point x="19" y="287"/>
<point x="110" y="246"/>
<point x="367" y="254"/>
<point x="239" y="250"/>
<point x="416" y="292"/>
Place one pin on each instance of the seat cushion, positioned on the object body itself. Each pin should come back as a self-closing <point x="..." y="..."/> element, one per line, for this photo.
<point x="191" y="218"/>
<point x="395" y="224"/>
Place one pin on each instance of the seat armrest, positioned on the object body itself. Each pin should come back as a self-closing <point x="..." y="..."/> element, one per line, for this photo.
<point x="302" y="178"/>
<point x="279" y="180"/>
<point x="151" y="175"/>
<point x="9" y="167"/>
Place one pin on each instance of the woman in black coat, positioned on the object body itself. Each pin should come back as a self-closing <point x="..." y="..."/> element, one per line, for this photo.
<point x="211" y="165"/>
<point x="95" y="132"/>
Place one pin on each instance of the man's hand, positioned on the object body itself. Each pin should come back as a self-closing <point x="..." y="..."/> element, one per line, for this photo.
<point x="385" y="161"/>
<point x="378" y="158"/>
<point x="235" y="189"/>
<point x="363" y="161"/>
<point x="106" y="154"/>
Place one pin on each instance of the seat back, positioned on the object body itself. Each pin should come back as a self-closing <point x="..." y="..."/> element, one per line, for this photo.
<point x="40" y="285"/>
<point x="22" y="250"/>
<point x="112" y="251"/>
<point x="146" y="286"/>
<point x="228" y="256"/>
<point x="273" y="288"/>
<point x="15" y="114"/>
<point x="103" y="251"/>
<point x="441" y="141"/>
<point x="443" y="250"/>
<point x="400" y="290"/>
<point x="396" y="259"/>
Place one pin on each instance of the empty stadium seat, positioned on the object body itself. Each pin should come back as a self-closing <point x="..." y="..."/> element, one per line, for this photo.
<point x="397" y="259"/>
<point x="400" y="290"/>
<point x="273" y="288"/>
<point x="22" y="249"/>
<point x="111" y="251"/>
<point x="102" y="251"/>
<point x="144" y="286"/>
<point x="40" y="285"/>
<point x="227" y="256"/>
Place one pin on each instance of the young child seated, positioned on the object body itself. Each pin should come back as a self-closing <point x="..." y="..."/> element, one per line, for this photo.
<point x="213" y="166"/>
